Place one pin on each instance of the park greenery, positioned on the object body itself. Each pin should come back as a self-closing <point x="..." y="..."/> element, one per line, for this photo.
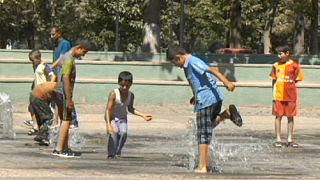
<point x="151" y="25"/>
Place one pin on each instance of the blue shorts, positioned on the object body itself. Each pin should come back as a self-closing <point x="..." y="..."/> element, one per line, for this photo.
<point x="205" y="118"/>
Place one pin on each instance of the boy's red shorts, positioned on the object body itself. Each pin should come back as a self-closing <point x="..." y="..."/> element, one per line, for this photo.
<point x="285" y="108"/>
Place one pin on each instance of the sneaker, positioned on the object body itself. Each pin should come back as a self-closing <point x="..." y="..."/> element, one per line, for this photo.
<point x="75" y="154"/>
<point x="37" y="138"/>
<point x="44" y="142"/>
<point x="235" y="116"/>
<point x="33" y="131"/>
<point x="72" y="126"/>
<point x="56" y="153"/>
<point x="28" y="123"/>
<point x="63" y="154"/>
<point x="111" y="157"/>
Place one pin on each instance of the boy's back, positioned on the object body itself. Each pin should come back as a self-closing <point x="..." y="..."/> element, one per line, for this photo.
<point x="45" y="90"/>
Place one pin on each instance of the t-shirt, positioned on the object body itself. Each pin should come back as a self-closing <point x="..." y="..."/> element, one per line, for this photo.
<point x="202" y="82"/>
<point x="286" y="76"/>
<point x="42" y="74"/>
<point x="69" y="68"/>
<point x="63" y="47"/>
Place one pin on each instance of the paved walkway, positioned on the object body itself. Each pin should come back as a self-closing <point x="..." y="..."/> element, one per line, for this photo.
<point x="163" y="148"/>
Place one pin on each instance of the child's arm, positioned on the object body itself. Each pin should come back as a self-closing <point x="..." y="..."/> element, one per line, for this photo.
<point x="131" y="109"/>
<point x="273" y="76"/>
<point x="58" y="62"/>
<point x="229" y="85"/>
<point x="49" y="73"/>
<point x="108" y="112"/>
<point x="299" y="74"/>
<point x="147" y="117"/>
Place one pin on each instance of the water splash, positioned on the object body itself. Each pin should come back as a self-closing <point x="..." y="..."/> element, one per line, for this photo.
<point x="6" y="117"/>
<point x="192" y="145"/>
<point x="76" y="139"/>
<point x="224" y="152"/>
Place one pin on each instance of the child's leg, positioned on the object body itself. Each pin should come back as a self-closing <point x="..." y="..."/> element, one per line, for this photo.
<point x="33" y="117"/>
<point x="63" y="136"/>
<point x="113" y="142"/>
<point x="35" y="121"/>
<point x="111" y="146"/>
<point x="204" y="134"/>
<point x="56" y="120"/>
<point x="32" y="112"/>
<point x="58" y="103"/>
<point x="230" y="113"/>
<point x="203" y="158"/>
<point x="278" y="128"/>
<point x="122" y="137"/>
<point x="221" y="117"/>
<point x="290" y="128"/>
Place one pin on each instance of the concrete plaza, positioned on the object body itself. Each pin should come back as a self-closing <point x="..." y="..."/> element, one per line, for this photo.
<point x="160" y="149"/>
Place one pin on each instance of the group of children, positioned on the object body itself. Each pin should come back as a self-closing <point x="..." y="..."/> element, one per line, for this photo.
<point x="46" y="94"/>
<point x="207" y="100"/>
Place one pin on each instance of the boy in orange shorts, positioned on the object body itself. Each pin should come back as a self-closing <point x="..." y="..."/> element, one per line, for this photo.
<point x="285" y="74"/>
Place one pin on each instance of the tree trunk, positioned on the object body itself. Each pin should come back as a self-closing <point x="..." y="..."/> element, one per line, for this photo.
<point x="267" y="44"/>
<point x="235" y="35"/>
<point x="36" y="38"/>
<point x="299" y="34"/>
<point x="314" y="28"/>
<point x="151" y="33"/>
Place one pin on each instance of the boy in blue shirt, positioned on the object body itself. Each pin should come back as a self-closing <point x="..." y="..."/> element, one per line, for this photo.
<point x="207" y="98"/>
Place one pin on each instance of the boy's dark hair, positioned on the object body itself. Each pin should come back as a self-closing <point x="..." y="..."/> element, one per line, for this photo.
<point x="85" y="44"/>
<point x="34" y="54"/>
<point x="125" y="76"/>
<point x="285" y="49"/>
<point x="173" y="51"/>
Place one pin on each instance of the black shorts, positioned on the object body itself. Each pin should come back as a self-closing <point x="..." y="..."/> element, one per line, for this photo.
<point x="42" y="110"/>
<point x="67" y="113"/>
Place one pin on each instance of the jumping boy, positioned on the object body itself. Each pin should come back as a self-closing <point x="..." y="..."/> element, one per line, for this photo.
<point x="207" y="98"/>
<point x="120" y="101"/>
<point x="285" y="74"/>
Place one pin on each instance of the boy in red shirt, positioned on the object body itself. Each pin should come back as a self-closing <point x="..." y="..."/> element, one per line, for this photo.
<point x="285" y="74"/>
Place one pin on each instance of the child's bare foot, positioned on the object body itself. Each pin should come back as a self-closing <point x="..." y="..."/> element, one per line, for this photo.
<point x="202" y="170"/>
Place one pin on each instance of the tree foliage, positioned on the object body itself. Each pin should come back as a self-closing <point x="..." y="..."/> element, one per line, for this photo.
<point x="27" y="23"/>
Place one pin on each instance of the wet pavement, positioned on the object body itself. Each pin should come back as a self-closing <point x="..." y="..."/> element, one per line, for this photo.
<point x="164" y="149"/>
